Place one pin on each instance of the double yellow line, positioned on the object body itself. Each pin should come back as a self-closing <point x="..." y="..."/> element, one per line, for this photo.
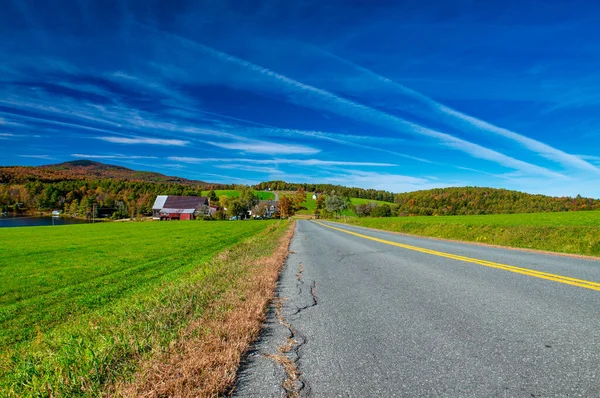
<point x="523" y="271"/>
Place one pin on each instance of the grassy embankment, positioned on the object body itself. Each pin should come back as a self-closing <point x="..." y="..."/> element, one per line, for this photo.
<point x="566" y="232"/>
<point x="84" y="308"/>
<point x="310" y="205"/>
<point x="262" y="195"/>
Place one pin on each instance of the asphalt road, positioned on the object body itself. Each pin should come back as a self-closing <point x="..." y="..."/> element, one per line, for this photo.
<point x="366" y="318"/>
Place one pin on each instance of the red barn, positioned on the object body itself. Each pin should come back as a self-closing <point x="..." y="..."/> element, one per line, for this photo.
<point x="168" y="207"/>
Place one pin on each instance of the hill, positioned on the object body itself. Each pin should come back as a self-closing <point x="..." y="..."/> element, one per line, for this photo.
<point x="85" y="170"/>
<point x="476" y="200"/>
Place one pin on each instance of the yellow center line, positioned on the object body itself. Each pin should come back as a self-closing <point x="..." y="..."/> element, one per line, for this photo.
<point x="523" y="271"/>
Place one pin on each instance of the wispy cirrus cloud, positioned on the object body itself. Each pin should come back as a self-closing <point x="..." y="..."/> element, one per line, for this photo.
<point x="266" y="148"/>
<point x="429" y="108"/>
<point x="144" y="141"/>
<point x="365" y="179"/>
<point x="118" y="156"/>
<point x="44" y="157"/>
<point x="351" y="141"/>
<point x="298" y="162"/>
<point x="316" y="98"/>
<point x="245" y="167"/>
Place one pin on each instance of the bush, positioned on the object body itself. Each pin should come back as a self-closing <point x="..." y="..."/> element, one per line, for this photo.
<point x="381" y="211"/>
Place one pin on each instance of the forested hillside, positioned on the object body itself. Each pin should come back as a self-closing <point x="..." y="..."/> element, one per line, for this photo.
<point x="84" y="170"/>
<point x="473" y="200"/>
<point x="80" y="186"/>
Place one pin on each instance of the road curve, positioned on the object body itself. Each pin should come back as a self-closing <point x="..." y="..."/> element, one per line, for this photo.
<point x="363" y="313"/>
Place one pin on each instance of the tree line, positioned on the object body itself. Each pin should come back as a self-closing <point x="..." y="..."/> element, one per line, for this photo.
<point x="473" y="201"/>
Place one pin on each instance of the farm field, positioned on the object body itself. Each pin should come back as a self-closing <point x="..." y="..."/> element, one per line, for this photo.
<point x="262" y="195"/>
<point x="566" y="232"/>
<point x="310" y="205"/>
<point x="81" y="305"/>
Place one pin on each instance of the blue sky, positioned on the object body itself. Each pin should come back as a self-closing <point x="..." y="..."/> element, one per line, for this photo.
<point x="389" y="95"/>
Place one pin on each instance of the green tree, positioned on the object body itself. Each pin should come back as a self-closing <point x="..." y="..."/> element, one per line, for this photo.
<point x="212" y="197"/>
<point x="336" y="204"/>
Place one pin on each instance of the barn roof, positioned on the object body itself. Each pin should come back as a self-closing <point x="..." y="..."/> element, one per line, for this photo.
<point x="185" y="202"/>
<point x="159" y="203"/>
<point x="173" y="204"/>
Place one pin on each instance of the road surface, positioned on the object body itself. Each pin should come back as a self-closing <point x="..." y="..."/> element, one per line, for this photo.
<point x="364" y="313"/>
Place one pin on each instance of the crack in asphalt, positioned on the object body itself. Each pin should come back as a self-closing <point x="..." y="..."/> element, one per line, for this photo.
<point x="313" y="296"/>
<point x="299" y="274"/>
<point x="289" y="353"/>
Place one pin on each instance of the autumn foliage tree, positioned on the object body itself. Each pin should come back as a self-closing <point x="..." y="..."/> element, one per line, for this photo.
<point x="286" y="206"/>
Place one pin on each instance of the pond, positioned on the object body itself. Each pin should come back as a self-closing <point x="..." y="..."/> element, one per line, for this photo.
<point x="36" y="221"/>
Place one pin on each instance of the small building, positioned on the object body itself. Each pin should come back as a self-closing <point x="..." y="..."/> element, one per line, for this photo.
<point x="315" y="196"/>
<point x="167" y="207"/>
<point x="271" y="207"/>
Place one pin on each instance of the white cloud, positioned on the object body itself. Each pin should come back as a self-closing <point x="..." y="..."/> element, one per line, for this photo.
<point x="316" y="98"/>
<point x="589" y="157"/>
<point x="333" y="138"/>
<point x="267" y="148"/>
<point x="144" y="140"/>
<point x="46" y="157"/>
<point x="297" y="162"/>
<point x="362" y="179"/>
<point x="86" y="156"/>
<point x="431" y="108"/>
<point x="255" y="169"/>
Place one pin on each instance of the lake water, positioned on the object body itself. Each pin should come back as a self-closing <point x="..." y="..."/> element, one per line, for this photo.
<point x="36" y="221"/>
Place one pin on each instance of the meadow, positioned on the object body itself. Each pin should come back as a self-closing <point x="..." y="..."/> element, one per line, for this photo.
<point x="232" y="193"/>
<point x="81" y="305"/>
<point x="565" y="232"/>
<point x="310" y="205"/>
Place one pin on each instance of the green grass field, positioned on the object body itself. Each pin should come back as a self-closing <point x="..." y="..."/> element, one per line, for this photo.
<point x="310" y="205"/>
<point x="262" y="195"/>
<point x="566" y="232"/>
<point x="80" y="304"/>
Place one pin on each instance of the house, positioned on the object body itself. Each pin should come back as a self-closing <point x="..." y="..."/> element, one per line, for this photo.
<point x="271" y="207"/>
<point x="167" y="207"/>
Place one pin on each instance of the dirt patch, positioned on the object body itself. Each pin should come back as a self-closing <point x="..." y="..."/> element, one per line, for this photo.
<point x="204" y="359"/>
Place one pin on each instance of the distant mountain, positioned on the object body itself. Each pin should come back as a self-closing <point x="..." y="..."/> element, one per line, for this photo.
<point x="85" y="170"/>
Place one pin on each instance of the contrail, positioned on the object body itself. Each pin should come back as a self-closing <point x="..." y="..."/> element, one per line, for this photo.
<point x="463" y="121"/>
<point x="317" y="98"/>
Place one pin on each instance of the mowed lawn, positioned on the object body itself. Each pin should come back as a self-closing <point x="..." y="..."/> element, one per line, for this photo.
<point x="566" y="232"/>
<point x="76" y="298"/>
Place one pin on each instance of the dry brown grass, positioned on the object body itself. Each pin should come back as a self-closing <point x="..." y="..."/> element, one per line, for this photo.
<point x="204" y="359"/>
